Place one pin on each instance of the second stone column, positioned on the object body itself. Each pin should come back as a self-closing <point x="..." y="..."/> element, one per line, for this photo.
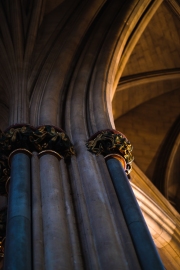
<point x="56" y="236"/>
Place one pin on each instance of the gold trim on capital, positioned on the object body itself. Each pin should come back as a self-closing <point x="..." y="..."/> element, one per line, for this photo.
<point x="126" y="166"/>
<point x="118" y="157"/>
<point x="111" y="142"/>
<point x="23" y="138"/>
<point x="17" y="151"/>
<point x="51" y="152"/>
<point x="36" y="139"/>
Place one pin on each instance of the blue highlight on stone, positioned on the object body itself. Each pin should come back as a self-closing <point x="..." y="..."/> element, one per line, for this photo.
<point x="142" y="240"/>
<point x="18" y="238"/>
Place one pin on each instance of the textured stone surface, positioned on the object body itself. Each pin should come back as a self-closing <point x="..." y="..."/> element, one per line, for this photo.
<point x="18" y="237"/>
<point x="37" y="226"/>
<point x="57" y="248"/>
<point x="158" y="47"/>
<point x="59" y="61"/>
<point x="146" y="127"/>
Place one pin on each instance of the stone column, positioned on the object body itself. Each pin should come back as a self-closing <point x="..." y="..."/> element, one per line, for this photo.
<point x="52" y="229"/>
<point x="117" y="151"/>
<point x="143" y="242"/>
<point x="37" y="226"/>
<point x="49" y="221"/>
<point x="4" y="190"/>
<point x="71" y="219"/>
<point x="18" y="236"/>
<point x="57" y="247"/>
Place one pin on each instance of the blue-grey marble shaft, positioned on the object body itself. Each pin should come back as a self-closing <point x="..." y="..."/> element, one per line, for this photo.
<point x="143" y="243"/>
<point x="18" y="239"/>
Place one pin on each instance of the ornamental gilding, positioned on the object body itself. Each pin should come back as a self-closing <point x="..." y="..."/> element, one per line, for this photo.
<point x="36" y="139"/>
<point x="32" y="139"/>
<point x="110" y="141"/>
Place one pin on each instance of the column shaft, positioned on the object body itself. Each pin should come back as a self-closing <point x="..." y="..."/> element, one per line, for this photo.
<point x="72" y="223"/>
<point x="88" y="246"/>
<point x="126" y="240"/>
<point x="18" y="239"/>
<point x="143" y="243"/>
<point x="37" y="226"/>
<point x="56" y="239"/>
<point x="101" y="242"/>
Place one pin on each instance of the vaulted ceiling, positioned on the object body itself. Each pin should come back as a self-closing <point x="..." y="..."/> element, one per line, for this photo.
<point x="147" y="100"/>
<point x="61" y="62"/>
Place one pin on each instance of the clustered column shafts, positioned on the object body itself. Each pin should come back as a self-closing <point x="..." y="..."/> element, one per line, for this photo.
<point x="40" y="196"/>
<point x="39" y="178"/>
<point x="18" y="235"/>
<point x="117" y="152"/>
<point x="30" y="138"/>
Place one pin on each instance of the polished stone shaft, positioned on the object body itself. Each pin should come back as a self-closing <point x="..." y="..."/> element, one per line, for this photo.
<point x="37" y="226"/>
<point x="143" y="243"/>
<point x="57" y="247"/>
<point x="18" y="238"/>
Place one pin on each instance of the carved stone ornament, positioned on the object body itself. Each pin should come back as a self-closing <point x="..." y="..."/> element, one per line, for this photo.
<point x="109" y="142"/>
<point x="4" y="174"/>
<point x="32" y="139"/>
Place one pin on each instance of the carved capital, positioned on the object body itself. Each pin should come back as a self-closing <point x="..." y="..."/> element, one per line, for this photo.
<point x="36" y="139"/>
<point x="4" y="174"/>
<point x="110" y="142"/>
<point x="31" y="139"/>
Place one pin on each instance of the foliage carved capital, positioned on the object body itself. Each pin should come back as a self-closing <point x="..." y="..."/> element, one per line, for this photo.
<point x="4" y="174"/>
<point x="109" y="142"/>
<point x="35" y="139"/>
<point x="32" y="139"/>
